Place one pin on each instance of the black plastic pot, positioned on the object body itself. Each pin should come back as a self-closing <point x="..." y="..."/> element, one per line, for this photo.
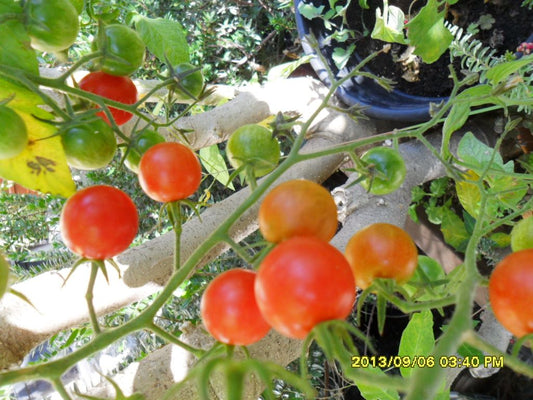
<point x="395" y="105"/>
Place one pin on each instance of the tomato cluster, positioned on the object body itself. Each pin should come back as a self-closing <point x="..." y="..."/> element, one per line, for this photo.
<point x="304" y="280"/>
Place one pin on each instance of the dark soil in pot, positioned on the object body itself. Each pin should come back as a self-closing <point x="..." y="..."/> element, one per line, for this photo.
<point x="410" y="101"/>
<point x="503" y="27"/>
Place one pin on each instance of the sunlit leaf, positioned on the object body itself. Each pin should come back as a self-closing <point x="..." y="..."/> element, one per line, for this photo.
<point x="389" y="26"/>
<point x="417" y="339"/>
<point x="42" y="166"/>
<point x="166" y="39"/>
<point x="427" y="33"/>
<point x="214" y="163"/>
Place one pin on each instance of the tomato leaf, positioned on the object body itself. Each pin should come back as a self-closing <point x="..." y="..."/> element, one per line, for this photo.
<point x="417" y="339"/>
<point x="501" y="71"/>
<point x="16" y="50"/>
<point x="375" y="392"/>
<point x="42" y="165"/>
<point x="389" y="26"/>
<point x="166" y="39"/>
<point x="214" y="163"/>
<point x="453" y="229"/>
<point x="427" y="32"/>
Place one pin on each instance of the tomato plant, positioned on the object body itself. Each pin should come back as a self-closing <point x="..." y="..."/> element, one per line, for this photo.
<point x="190" y="84"/>
<point x="117" y="88"/>
<point x="52" y="25"/>
<point x="99" y="222"/>
<point x="253" y="145"/>
<point x="123" y="50"/>
<point x="229" y="310"/>
<point x="169" y="172"/>
<point x="89" y="145"/>
<point x="13" y="133"/>
<point x="522" y="235"/>
<point x="511" y="292"/>
<point x="138" y="147"/>
<point x="298" y="208"/>
<point x="381" y="250"/>
<point x="304" y="281"/>
<point x="385" y="168"/>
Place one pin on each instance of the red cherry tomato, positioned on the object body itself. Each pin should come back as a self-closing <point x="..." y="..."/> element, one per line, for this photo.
<point x="304" y="281"/>
<point x="117" y="88"/>
<point x="298" y="208"/>
<point x="229" y="309"/>
<point x="99" y="222"/>
<point x="511" y="292"/>
<point x="381" y="251"/>
<point x="169" y="172"/>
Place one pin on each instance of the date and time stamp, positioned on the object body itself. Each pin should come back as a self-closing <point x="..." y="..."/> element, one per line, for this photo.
<point x="427" y="362"/>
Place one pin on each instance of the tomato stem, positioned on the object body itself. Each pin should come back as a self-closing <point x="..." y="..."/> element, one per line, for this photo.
<point x="89" y="297"/>
<point x="174" y="214"/>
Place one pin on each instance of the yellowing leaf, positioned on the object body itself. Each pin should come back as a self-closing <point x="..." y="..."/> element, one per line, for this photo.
<point x="42" y="166"/>
<point x="469" y="194"/>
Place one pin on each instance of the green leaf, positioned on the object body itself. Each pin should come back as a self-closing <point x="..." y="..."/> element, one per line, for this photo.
<point x="427" y="272"/>
<point x="477" y="155"/>
<point x="455" y="120"/>
<point x="374" y="392"/>
<point x="309" y="11"/>
<point x="284" y="70"/>
<point x="427" y="33"/>
<point x="417" y="339"/>
<point x="166" y="39"/>
<point x="42" y="166"/>
<point x="341" y="56"/>
<point x="439" y="187"/>
<point x="501" y="71"/>
<point x="16" y="50"/>
<point x="389" y="26"/>
<point x="214" y="163"/>
<point x="453" y="229"/>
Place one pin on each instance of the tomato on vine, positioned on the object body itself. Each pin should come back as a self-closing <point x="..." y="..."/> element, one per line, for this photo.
<point x="123" y="50"/>
<point x="190" y="84"/>
<point x="522" y="235"/>
<point x="511" y="292"/>
<point x="89" y="144"/>
<point x="13" y="133"/>
<point x="386" y="170"/>
<point x="140" y="143"/>
<point x="381" y="250"/>
<point x="117" y="88"/>
<point x="169" y="172"/>
<point x="253" y="145"/>
<point x="229" y="310"/>
<point x="304" y="281"/>
<point x="99" y="222"/>
<point x="52" y="24"/>
<point x="298" y="208"/>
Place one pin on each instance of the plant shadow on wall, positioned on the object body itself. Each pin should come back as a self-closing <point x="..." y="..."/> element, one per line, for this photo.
<point x="422" y="40"/>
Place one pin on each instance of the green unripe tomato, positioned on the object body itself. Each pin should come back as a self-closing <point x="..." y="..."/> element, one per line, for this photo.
<point x="123" y="50"/>
<point x="139" y="146"/>
<point x="78" y="5"/>
<point x="89" y="145"/>
<point x="52" y="24"/>
<point x="387" y="170"/>
<point x="13" y="133"/>
<point x="253" y="145"/>
<point x="193" y="82"/>
<point x="4" y="275"/>
<point x="522" y="235"/>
